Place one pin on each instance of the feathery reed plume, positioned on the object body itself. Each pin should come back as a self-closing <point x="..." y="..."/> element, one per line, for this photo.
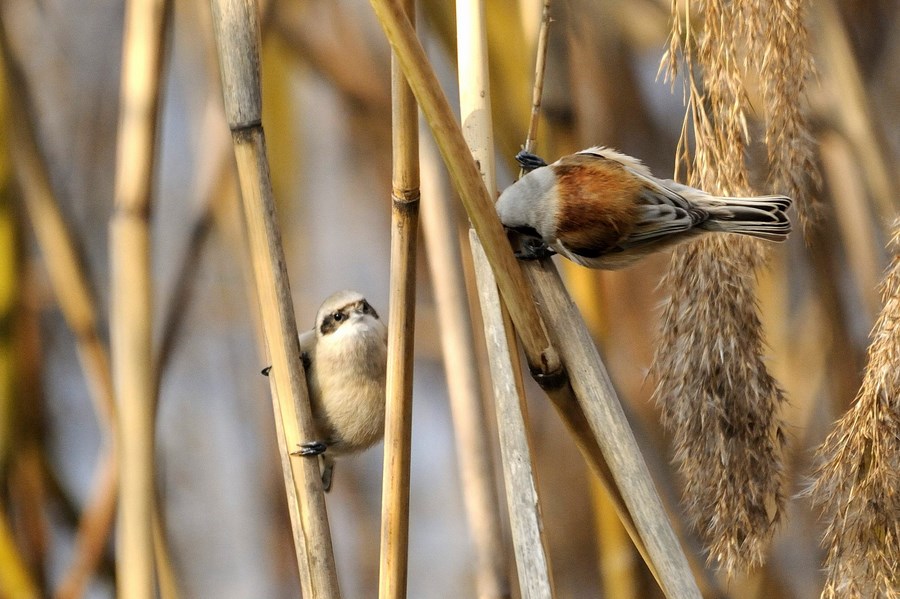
<point x="856" y="484"/>
<point x="778" y="34"/>
<point x="717" y="397"/>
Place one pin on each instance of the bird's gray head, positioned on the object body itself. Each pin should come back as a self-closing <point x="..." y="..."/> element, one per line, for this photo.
<point x="529" y="205"/>
<point x="345" y="310"/>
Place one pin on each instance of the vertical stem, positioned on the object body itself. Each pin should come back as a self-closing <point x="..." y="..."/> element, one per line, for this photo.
<point x="523" y="502"/>
<point x="401" y="329"/>
<point x="131" y="310"/>
<point x="76" y="302"/>
<point x="473" y="444"/>
<point x="542" y="358"/>
<point x="237" y="37"/>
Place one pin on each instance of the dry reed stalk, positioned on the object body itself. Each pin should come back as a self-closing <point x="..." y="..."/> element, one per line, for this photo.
<point x="856" y="484"/>
<point x="16" y="581"/>
<point x="75" y="299"/>
<point x="166" y="579"/>
<point x="401" y="332"/>
<point x="523" y="501"/>
<point x="616" y="556"/>
<point x="639" y="505"/>
<point x="860" y="236"/>
<point x="237" y="37"/>
<point x="473" y="445"/>
<point x="858" y="122"/>
<point x="131" y="291"/>
<point x="78" y="306"/>
<point x="509" y="73"/>
<point x="600" y="428"/>
<point x="717" y="396"/>
<point x="542" y="358"/>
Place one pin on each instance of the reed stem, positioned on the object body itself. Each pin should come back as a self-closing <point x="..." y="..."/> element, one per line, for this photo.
<point x="131" y="292"/>
<point x="473" y="444"/>
<point x="236" y="25"/>
<point x="523" y="501"/>
<point x="542" y="358"/>
<point x="401" y="332"/>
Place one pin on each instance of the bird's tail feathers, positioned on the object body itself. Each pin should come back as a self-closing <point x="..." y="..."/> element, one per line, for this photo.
<point x="762" y="217"/>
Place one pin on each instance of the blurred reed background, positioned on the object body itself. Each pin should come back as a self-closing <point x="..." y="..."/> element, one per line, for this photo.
<point x="223" y="521"/>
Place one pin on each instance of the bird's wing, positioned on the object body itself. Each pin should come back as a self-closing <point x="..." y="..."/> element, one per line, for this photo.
<point x="662" y="211"/>
<point x="662" y="214"/>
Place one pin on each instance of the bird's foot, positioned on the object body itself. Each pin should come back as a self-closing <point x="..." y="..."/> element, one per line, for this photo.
<point x="529" y="161"/>
<point x="310" y="448"/>
<point x="265" y="371"/>
<point x="533" y="249"/>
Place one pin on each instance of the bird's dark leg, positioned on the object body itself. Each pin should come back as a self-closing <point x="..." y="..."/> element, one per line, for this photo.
<point x="327" y="473"/>
<point x="529" y="161"/>
<point x="310" y="448"/>
<point x="532" y="248"/>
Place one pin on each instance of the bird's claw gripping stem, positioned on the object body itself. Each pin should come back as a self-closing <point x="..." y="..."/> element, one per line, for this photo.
<point x="529" y="161"/>
<point x="533" y="249"/>
<point x="311" y="448"/>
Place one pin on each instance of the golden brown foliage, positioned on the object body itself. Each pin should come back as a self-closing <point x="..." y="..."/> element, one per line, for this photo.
<point x="718" y="398"/>
<point x="857" y="483"/>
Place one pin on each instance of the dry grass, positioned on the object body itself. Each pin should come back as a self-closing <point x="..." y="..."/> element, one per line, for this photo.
<point x="717" y="395"/>
<point x="857" y="483"/>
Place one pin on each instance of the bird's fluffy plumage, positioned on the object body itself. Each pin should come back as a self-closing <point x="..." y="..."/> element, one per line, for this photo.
<point x="604" y="209"/>
<point x="346" y="355"/>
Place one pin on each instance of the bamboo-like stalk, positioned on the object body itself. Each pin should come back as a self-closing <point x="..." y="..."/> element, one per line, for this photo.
<point x="859" y="234"/>
<point x="401" y="331"/>
<point x="237" y="37"/>
<point x="473" y="446"/>
<point x="523" y="501"/>
<point x="70" y="286"/>
<point x="855" y="111"/>
<point x="586" y="427"/>
<point x="597" y="398"/>
<point x="542" y="358"/>
<point x="613" y="471"/>
<point x="69" y="282"/>
<point x="131" y="292"/>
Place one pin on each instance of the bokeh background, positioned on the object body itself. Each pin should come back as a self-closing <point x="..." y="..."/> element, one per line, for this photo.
<point x="326" y="72"/>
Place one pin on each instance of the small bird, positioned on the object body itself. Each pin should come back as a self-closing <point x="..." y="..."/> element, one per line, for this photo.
<point x="603" y="209"/>
<point x="345" y="357"/>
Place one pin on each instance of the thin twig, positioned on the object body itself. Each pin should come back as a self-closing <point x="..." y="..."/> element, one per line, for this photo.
<point x="540" y="67"/>
<point x="237" y="37"/>
<point x="401" y="331"/>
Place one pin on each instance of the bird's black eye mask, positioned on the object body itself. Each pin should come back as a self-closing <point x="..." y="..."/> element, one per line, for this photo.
<point x="332" y="321"/>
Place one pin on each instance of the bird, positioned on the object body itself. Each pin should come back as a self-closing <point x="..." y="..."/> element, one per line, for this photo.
<point x="603" y="209"/>
<point x="345" y="359"/>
